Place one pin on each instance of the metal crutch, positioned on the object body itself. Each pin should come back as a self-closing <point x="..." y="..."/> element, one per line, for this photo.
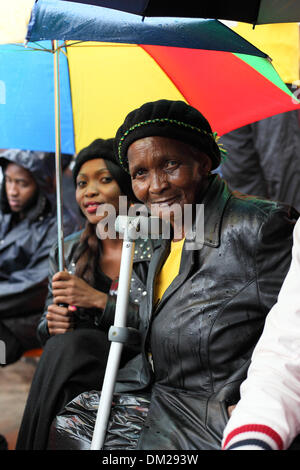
<point x="118" y="333"/>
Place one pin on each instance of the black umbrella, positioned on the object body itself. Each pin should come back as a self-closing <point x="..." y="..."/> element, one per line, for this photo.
<point x="251" y="11"/>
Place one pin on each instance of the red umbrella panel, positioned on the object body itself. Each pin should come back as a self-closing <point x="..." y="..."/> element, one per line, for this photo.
<point x="230" y="89"/>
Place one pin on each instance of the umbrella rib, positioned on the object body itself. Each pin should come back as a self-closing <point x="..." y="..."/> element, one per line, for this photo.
<point x="40" y="45"/>
<point x="40" y="48"/>
<point x="100" y="44"/>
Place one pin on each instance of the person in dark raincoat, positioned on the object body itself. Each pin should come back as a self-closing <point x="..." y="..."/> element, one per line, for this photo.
<point x="207" y="299"/>
<point x="264" y="158"/>
<point x="28" y="229"/>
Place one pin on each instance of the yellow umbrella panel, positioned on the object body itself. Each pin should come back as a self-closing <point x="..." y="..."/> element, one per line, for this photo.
<point x="108" y="81"/>
<point x="280" y="42"/>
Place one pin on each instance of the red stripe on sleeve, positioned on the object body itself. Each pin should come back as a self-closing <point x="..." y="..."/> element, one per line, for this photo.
<point x="256" y="428"/>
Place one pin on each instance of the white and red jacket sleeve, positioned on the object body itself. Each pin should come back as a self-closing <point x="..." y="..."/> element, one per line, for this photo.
<point x="268" y="413"/>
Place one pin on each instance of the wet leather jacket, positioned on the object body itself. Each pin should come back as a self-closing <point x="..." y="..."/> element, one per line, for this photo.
<point x="203" y="331"/>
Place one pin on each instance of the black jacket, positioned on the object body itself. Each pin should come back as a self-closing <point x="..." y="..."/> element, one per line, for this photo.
<point x="202" y="333"/>
<point x="96" y="318"/>
<point x="25" y="246"/>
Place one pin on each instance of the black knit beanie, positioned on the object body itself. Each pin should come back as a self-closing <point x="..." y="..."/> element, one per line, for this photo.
<point x="103" y="148"/>
<point x="173" y="119"/>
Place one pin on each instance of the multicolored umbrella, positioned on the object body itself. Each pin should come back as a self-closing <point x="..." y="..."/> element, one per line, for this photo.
<point x="64" y="20"/>
<point x="102" y="82"/>
<point x="200" y="61"/>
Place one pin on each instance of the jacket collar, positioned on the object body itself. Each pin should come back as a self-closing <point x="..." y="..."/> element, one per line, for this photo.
<point x="214" y="200"/>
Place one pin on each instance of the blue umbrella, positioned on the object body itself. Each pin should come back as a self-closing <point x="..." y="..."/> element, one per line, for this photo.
<point x="66" y="20"/>
<point x="253" y="11"/>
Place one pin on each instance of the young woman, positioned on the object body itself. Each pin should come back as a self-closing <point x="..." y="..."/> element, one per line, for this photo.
<point x="81" y="300"/>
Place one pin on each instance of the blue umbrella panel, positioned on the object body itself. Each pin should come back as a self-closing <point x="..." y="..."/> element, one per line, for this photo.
<point x="27" y="98"/>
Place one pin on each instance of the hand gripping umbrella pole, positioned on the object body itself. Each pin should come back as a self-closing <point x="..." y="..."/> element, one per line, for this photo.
<point x="118" y="333"/>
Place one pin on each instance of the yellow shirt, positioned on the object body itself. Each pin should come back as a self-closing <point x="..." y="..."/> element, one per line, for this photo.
<point x="169" y="270"/>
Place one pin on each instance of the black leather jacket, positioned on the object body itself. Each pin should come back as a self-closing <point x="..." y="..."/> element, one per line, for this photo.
<point x="203" y="331"/>
<point x="97" y="318"/>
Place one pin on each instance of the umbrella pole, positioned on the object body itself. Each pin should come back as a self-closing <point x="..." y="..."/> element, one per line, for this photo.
<point x="58" y="166"/>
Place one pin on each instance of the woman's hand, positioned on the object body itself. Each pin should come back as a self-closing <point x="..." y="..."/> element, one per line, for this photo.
<point x="59" y="319"/>
<point x="71" y="290"/>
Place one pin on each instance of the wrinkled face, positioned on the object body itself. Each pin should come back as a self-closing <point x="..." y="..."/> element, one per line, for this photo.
<point x="20" y="187"/>
<point x="165" y="172"/>
<point x="96" y="186"/>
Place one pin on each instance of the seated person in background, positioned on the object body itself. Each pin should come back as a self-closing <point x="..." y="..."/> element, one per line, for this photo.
<point x="206" y="304"/>
<point x="27" y="232"/>
<point x="267" y="417"/>
<point x="75" y="337"/>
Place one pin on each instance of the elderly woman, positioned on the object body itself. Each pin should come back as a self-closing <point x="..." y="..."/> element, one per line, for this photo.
<point x="206" y="306"/>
